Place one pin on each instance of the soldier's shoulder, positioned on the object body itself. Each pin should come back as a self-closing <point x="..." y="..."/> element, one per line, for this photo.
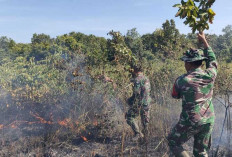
<point x="182" y="79"/>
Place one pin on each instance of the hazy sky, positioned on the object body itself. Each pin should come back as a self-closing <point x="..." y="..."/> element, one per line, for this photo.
<point x="19" y="19"/>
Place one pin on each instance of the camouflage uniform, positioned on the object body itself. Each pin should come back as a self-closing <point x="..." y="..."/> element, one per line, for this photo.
<point x="139" y="103"/>
<point x="197" y="117"/>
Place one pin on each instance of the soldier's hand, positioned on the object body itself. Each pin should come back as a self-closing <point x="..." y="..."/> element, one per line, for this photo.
<point x="202" y="38"/>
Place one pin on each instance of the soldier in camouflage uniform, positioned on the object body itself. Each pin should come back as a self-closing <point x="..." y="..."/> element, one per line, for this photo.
<point x="139" y="102"/>
<point x="196" y="90"/>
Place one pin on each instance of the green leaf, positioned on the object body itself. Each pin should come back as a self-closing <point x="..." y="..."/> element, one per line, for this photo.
<point x="207" y="26"/>
<point x="179" y="12"/>
<point x="211" y="12"/>
<point x="184" y="14"/>
<point x="191" y="2"/>
<point x="177" y="5"/>
<point x="183" y="2"/>
<point x="194" y="18"/>
<point x="186" y="22"/>
<point x="195" y="13"/>
<point x="188" y="13"/>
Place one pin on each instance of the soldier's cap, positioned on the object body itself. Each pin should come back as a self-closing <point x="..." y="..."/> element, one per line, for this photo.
<point x="193" y="55"/>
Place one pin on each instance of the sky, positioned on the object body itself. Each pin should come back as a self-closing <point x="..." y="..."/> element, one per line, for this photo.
<point x="20" y="19"/>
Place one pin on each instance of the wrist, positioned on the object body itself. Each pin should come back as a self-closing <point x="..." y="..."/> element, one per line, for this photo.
<point x="206" y="44"/>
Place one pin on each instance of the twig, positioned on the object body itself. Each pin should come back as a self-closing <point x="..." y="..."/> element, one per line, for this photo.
<point x="220" y="102"/>
<point x="159" y="144"/>
<point x="122" y="145"/>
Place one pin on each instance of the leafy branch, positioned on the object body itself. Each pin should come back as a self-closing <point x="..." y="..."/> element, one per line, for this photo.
<point x="197" y="17"/>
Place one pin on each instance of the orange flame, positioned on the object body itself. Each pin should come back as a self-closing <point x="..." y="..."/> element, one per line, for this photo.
<point x="84" y="138"/>
<point x="64" y="122"/>
<point x="95" y="123"/>
<point x="41" y="119"/>
<point x="13" y="126"/>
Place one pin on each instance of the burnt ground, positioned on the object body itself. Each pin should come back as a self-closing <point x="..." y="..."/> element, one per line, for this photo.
<point x="43" y="140"/>
<point x="71" y="146"/>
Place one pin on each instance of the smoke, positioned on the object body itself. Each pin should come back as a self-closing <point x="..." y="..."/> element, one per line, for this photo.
<point x="222" y="129"/>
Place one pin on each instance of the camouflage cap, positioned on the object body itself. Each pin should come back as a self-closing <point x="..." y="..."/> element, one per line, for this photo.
<point x="192" y="55"/>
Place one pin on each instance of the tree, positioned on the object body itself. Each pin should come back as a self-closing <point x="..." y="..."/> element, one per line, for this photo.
<point x="40" y="46"/>
<point x="118" y="51"/>
<point x="165" y="42"/>
<point x="134" y="42"/>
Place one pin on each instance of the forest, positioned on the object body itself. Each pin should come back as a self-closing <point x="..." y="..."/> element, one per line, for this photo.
<point x="56" y="100"/>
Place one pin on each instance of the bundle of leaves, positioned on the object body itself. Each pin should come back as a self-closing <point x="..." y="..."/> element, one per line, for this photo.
<point x="197" y="13"/>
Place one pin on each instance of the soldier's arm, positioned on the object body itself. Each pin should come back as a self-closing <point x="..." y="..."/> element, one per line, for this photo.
<point x="211" y="62"/>
<point x="176" y="91"/>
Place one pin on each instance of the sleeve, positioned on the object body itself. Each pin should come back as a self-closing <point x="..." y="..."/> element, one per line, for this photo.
<point x="130" y="101"/>
<point x="211" y="63"/>
<point x="145" y="93"/>
<point x="176" y="90"/>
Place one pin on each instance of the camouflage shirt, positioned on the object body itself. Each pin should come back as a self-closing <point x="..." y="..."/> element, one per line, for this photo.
<point x="141" y="91"/>
<point x="196" y="90"/>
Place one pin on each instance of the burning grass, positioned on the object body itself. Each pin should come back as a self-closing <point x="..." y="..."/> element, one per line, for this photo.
<point x="49" y="135"/>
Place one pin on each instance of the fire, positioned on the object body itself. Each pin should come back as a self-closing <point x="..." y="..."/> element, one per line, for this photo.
<point x="13" y="126"/>
<point x="64" y="122"/>
<point x="41" y="119"/>
<point x="95" y="123"/>
<point x="67" y="122"/>
<point x="84" y="138"/>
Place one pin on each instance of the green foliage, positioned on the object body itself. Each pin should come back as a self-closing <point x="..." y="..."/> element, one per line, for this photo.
<point x="32" y="80"/>
<point x="197" y="17"/>
<point x="118" y="50"/>
<point x="223" y="84"/>
<point x="84" y="75"/>
<point x="166" y="42"/>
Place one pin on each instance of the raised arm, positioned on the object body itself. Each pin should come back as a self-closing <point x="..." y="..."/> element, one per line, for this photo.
<point x="211" y="62"/>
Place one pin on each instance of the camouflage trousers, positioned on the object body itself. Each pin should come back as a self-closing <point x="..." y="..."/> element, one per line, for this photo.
<point x="131" y="116"/>
<point x="182" y="133"/>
